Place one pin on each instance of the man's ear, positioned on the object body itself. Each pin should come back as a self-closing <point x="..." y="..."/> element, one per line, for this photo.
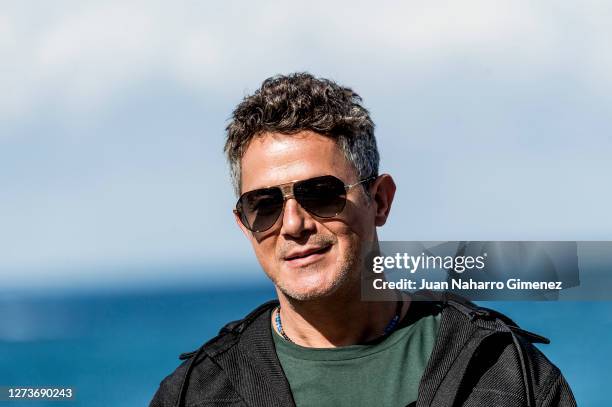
<point x="382" y="192"/>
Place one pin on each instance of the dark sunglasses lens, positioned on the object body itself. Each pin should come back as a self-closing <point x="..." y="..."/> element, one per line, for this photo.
<point x="260" y="209"/>
<point x="323" y="196"/>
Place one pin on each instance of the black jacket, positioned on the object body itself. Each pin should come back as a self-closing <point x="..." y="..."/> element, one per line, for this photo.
<point x="480" y="358"/>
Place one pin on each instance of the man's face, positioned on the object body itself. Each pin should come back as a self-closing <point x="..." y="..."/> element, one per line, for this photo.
<point x="307" y="257"/>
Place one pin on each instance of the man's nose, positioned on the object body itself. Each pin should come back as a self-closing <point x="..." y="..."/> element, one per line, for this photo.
<point x="296" y="220"/>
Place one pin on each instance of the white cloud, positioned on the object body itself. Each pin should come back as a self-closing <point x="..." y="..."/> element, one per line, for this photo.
<point x="80" y="57"/>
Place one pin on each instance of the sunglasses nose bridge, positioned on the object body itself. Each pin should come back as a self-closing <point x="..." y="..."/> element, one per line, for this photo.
<point x="287" y="191"/>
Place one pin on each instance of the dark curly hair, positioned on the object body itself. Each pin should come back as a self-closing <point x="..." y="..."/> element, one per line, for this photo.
<point x="292" y="103"/>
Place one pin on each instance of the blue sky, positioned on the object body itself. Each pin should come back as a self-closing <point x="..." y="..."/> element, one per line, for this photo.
<point x="493" y="117"/>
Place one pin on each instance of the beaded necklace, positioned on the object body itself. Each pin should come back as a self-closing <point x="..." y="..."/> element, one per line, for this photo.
<point x="388" y="329"/>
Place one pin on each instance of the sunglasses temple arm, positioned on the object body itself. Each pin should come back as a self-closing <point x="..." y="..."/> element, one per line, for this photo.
<point x="348" y="187"/>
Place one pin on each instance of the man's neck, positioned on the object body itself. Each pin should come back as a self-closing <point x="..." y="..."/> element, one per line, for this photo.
<point x="338" y="320"/>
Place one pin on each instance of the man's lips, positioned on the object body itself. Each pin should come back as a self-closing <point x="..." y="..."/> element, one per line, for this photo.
<point x="305" y="256"/>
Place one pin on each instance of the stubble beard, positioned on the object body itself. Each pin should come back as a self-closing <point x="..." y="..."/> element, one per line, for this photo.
<point x="346" y="278"/>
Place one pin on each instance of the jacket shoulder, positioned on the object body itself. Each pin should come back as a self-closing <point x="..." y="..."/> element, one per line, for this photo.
<point x="507" y="367"/>
<point x="513" y="371"/>
<point x="207" y="384"/>
<point x="205" y="379"/>
<point x="550" y="387"/>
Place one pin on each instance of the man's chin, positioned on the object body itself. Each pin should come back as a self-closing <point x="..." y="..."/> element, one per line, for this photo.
<point x="310" y="290"/>
<point x="306" y="295"/>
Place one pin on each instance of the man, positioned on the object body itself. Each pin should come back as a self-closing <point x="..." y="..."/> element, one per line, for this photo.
<point x="304" y="163"/>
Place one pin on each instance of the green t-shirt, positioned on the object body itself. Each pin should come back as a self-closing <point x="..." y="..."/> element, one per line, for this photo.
<point x="386" y="373"/>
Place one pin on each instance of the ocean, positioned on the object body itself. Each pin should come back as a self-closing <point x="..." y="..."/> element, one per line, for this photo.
<point x="114" y="348"/>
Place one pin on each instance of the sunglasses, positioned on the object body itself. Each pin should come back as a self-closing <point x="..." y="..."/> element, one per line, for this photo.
<point x="324" y="197"/>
